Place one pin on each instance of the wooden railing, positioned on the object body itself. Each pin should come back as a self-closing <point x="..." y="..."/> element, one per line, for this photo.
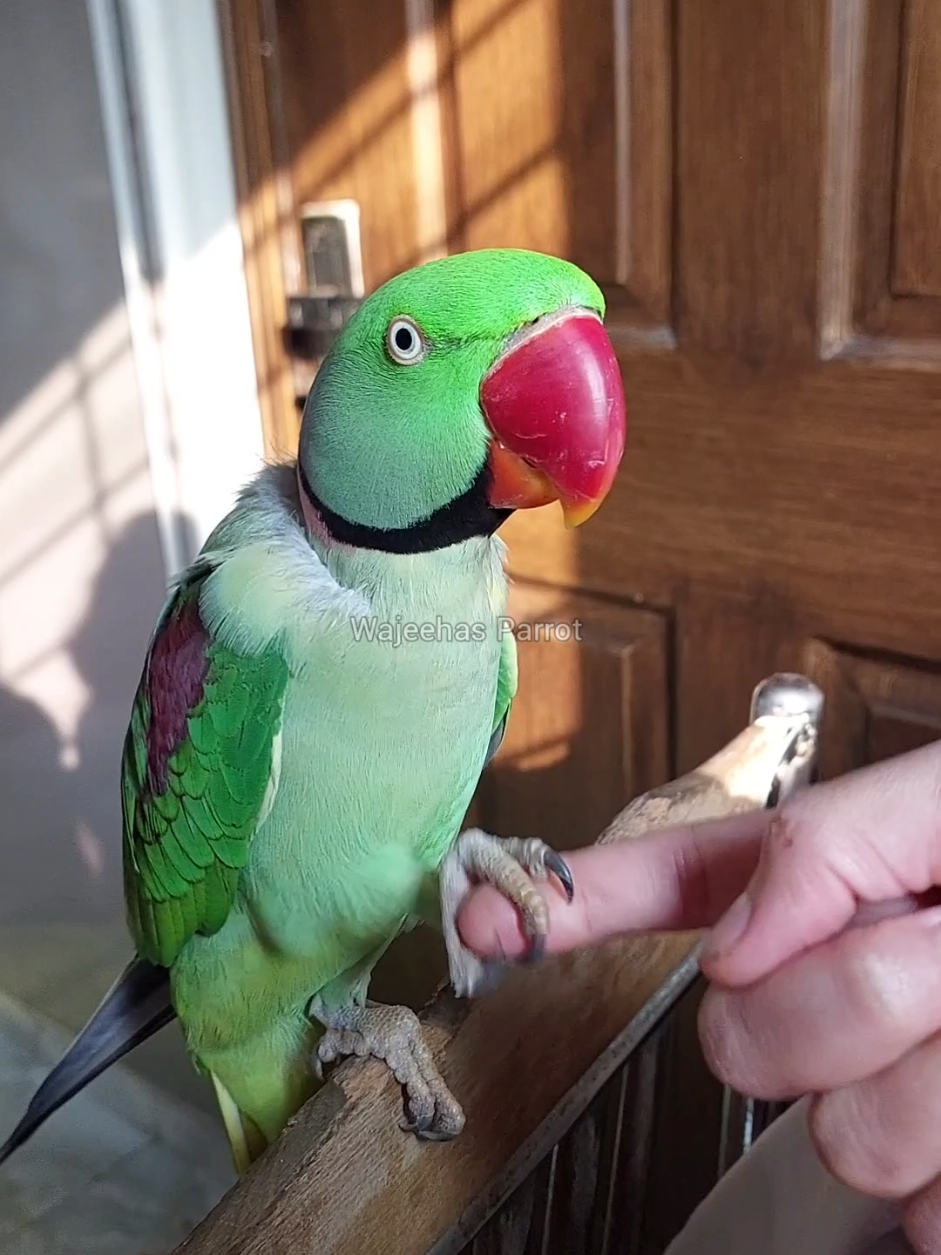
<point x="560" y="1055"/>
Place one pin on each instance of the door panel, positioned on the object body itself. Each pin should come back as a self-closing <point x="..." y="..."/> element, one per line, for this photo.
<point x="916" y="265"/>
<point x="886" y="114"/>
<point x="590" y="728"/>
<point x="876" y="706"/>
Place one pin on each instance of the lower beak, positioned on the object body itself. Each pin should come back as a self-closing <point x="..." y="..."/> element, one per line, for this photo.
<point x="554" y="403"/>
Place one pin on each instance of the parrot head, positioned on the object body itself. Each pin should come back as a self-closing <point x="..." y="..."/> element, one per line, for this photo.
<point x="460" y="391"/>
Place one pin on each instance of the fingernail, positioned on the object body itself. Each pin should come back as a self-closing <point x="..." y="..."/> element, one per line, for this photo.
<point x="727" y="933"/>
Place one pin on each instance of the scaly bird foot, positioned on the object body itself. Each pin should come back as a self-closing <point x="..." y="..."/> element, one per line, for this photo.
<point x="394" y="1035"/>
<point x="511" y="865"/>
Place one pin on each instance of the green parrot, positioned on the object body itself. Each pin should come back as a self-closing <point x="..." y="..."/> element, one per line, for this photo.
<point x="326" y="683"/>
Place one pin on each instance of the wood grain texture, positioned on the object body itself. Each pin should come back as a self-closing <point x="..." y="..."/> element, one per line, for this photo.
<point x="916" y="269"/>
<point x="518" y="122"/>
<point x="270" y="243"/>
<point x="590" y="726"/>
<point x="348" y="104"/>
<point x="645" y="156"/>
<point x="560" y="138"/>
<point x="877" y="706"/>
<point x="814" y="494"/>
<point x="880" y="167"/>
<point x="749" y="117"/>
<point x="587" y="1196"/>
<point x="526" y="1062"/>
<point x="687" y="1128"/>
<point x="344" y="1178"/>
<point x="840" y="209"/>
<point x="509" y="118"/>
<point x="873" y="130"/>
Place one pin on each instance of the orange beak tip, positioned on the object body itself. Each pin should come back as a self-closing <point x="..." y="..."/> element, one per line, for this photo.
<point x="576" y="513"/>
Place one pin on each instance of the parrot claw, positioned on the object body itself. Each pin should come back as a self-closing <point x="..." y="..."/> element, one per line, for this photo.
<point x="555" y="863"/>
<point x="511" y="865"/>
<point x="394" y="1035"/>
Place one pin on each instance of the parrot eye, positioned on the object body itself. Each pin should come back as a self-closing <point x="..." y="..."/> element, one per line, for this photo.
<point x="404" y="342"/>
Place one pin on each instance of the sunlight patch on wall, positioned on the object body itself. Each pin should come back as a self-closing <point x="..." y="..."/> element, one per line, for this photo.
<point x="73" y="472"/>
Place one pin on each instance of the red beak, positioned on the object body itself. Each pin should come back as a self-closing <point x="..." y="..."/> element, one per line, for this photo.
<point x="554" y="402"/>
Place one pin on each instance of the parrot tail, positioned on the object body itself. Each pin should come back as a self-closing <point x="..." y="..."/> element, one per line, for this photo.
<point x="135" y="1007"/>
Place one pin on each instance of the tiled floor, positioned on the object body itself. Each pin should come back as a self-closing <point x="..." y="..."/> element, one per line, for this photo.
<point x="124" y="1169"/>
<point x="61" y="971"/>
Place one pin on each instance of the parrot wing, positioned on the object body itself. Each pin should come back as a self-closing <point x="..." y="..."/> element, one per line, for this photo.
<point x="198" y="774"/>
<point x="507" y="679"/>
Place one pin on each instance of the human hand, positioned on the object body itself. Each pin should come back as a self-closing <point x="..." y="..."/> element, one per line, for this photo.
<point x="824" y="960"/>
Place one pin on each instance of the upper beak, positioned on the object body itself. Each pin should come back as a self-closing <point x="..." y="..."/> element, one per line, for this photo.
<point x="554" y="403"/>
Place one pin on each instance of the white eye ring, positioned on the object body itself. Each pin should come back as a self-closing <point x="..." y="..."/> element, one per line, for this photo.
<point x="404" y="341"/>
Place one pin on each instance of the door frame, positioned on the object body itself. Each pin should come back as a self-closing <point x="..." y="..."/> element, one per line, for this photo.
<point x="165" y="114"/>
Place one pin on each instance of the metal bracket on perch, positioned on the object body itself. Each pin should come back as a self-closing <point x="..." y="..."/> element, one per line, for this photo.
<point x="781" y="697"/>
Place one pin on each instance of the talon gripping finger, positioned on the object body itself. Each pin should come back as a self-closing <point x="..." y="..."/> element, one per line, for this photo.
<point x="556" y="864"/>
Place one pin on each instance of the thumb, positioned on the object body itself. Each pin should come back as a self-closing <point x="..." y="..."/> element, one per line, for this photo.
<point x="869" y="837"/>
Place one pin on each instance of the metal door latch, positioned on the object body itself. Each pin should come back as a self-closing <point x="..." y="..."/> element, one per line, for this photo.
<point x="334" y="270"/>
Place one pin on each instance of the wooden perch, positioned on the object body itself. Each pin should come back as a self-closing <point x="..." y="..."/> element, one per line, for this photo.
<point x="524" y="1062"/>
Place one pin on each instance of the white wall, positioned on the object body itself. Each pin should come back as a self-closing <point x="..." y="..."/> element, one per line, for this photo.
<point x="81" y="570"/>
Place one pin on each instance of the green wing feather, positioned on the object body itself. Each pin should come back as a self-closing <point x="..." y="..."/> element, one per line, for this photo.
<point x="507" y="679"/>
<point x="198" y="775"/>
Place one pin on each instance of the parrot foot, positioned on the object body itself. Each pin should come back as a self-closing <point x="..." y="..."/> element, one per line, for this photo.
<point x="511" y="865"/>
<point x="394" y="1035"/>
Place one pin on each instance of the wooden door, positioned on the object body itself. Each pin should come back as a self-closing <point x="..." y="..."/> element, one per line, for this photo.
<point x="756" y="183"/>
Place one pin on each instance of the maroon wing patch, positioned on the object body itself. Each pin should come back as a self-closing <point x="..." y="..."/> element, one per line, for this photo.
<point x="176" y="674"/>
